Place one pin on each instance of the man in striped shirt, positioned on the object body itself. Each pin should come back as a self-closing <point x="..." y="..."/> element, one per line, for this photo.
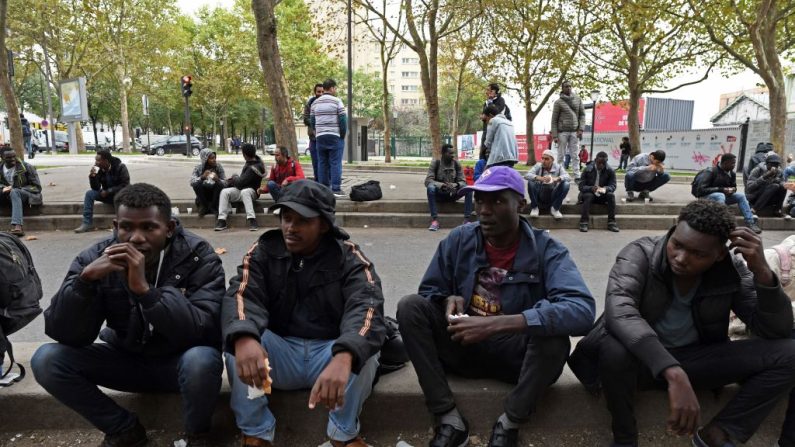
<point x="307" y="302"/>
<point x="329" y="119"/>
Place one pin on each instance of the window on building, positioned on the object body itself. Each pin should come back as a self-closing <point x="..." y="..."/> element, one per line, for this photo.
<point x="410" y="74"/>
<point x="410" y="60"/>
<point x="409" y="102"/>
<point x="409" y="88"/>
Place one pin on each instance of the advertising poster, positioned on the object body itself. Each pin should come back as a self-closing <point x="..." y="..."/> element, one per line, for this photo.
<point x="74" y="102"/>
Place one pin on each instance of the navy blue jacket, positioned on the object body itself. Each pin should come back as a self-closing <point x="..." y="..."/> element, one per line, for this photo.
<point x="544" y="283"/>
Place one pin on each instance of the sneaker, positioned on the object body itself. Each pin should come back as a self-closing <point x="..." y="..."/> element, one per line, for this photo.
<point x="220" y="225"/>
<point x="434" y="225"/>
<point x="132" y="437"/>
<point x="17" y="230"/>
<point x="534" y="212"/>
<point x="754" y="227"/>
<point x="556" y="213"/>
<point x="194" y="440"/>
<point x="447" y="436"/>
<point x="250" y="441"/>
<point x="355" y="442"/>
<point x="252" y="224"/>
<point x="84" y="228"/>
<point x="501" y="437"/>
<point x="612" y="226"/>
<point x="645" y="195"/>
<point x="787" y="217"/>
<point x="584" y="227"/>
<point x="630" y="196"/>
<point x="339" y="195"/>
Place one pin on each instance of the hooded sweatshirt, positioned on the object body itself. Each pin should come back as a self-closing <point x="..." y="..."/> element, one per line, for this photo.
<point x="501" y="141"/>
<point x="195" y="178"/>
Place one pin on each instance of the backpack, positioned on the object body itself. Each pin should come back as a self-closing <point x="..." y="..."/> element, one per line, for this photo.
<point x="20" y="292"/>
<point x="696" y="180"/>
<point x="370" y="190"/>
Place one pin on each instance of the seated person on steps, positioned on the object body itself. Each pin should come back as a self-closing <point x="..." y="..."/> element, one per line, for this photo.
<point x="598" y="185"/>
<point x="548" y="185"/>
<point x="243" y="188"/>
<point x="645" y="174"/>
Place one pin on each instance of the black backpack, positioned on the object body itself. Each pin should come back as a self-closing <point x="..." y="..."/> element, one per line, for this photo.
<point x="370" y="190"/>
<point x="697" y="179"/>
<point x="20" y="292"/>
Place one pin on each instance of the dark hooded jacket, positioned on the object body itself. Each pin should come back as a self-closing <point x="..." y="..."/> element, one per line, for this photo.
<point x="25" y="178"/>
<point x="639" y="294"/>
<point x="758" y="158"/>
<point x="112" y="180"/>
<point x="715" y="180"/>
<point x="181" y="311"/>
<point x="335" y="295"/>
<point x="251" y="175"/>
<point x="198" y="170"/>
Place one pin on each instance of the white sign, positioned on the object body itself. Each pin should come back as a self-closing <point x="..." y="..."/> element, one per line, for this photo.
<point x="145" y="102"/>
<point x="74" y="101"/>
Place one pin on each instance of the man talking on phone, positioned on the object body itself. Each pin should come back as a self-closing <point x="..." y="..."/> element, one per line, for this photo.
<point x="107" y="177"/>
<point x="666" y="321"/>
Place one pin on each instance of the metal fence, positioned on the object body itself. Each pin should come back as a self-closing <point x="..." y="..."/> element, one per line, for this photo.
<point x="408" y="146"/>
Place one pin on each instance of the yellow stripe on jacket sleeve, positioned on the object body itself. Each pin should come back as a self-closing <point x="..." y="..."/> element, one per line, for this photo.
<point x="241" y="308"/>
<point x="370" y="311"/>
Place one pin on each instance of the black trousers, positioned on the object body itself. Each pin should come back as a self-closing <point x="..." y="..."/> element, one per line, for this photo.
<point x="765" y="368"/>
<point x="532" y="363"/>
<point x="207" y="196"/>
<point x="769" y="200"/>
<point x="589" y="198"/>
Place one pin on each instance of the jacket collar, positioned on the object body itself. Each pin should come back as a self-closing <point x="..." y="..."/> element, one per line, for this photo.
<point x="328" y="260"/>
<point x="722" y="278"/>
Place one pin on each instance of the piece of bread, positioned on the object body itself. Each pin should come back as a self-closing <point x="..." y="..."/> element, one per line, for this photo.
<point x="266" y="385"/>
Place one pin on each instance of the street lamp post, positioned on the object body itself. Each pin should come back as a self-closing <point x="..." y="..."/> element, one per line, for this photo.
<point x="594" y="97"/>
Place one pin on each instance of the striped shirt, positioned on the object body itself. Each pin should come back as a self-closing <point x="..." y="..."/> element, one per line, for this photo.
<point x="327" y="113"/>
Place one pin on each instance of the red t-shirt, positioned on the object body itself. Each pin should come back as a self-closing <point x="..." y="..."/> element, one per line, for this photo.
<point x="486" y="297"/>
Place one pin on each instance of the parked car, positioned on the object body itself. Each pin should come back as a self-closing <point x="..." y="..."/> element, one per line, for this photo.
<point x="270" y="149"/>
<point x="41" y="142"/>
<point x="303" y="146"/>
<point x="174" y="145"/>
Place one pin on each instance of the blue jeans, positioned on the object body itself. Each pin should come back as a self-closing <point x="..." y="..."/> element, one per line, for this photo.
<point x="543" y="195"/>
<point x="313" y="156"/>
<point x="17" y="198"/>
<point x="296" y="364"/>
<point x="329" y="161"/>
<point x="738" y="198"/>
<point x="624" y="161"/>
<point x="29" y="146"/>
<point x="631" y="185"/>
<point x="789" y="171"/>
<point x="275" y="190"/>
<point x="435" y="194"/>
<point x="73" y="374"/>
<point x="88" y="204"/>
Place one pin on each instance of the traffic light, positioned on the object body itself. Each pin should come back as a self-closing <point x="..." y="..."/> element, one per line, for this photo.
<point x="187" y="85"/>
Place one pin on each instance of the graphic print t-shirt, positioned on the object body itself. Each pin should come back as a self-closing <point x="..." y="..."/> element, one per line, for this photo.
<point x="486" y="297"/>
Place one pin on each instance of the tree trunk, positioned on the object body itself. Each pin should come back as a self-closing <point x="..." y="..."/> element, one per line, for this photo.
<point x="778" y="118"/>
<point x="81" y="143"/>
<point x="430" y="90"/>
<point x="634" y="106"/>
<point x="530" y="116"/>
<point x="14" y="123"/>
<point x="387" y="115"/>
<point x="125" y="121"/>
<point x="457" y="106"/>
<point x="271" y="61"/>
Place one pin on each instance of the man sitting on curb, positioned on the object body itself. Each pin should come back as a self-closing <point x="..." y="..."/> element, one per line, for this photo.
<point x="305" y="311"/>
<point x="21" y="186"/>
<point x="598" y="185"/>
<point x="499" y="299"/>
<point x="207" y="180"/>
<point x="445" y="178"/>
<point x="158" y="290"/>
<point x="243" y="188"/>
<point x="645" y="173"/>
<point x="720" y="185"/>
<point x="548" y="184"/>
<point x="765" y="187"/>
<point x="666" y="322"/>
<point x="107" y="177"/>
<point x="285" y="170"/>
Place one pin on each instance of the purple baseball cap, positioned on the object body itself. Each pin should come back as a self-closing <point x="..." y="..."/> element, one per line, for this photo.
<point x="497" y="178"/>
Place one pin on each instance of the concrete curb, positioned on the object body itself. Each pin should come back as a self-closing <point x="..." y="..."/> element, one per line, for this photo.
<point x="395" y="407"/>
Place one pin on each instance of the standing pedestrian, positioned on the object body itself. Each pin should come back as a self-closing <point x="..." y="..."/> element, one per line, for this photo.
<point x="27" y="136"/>
<point x="568" y="117"/>
<point x="493" y="97"/>
<point x="329" y="118"/>
<point x="310" y="130"/>
<point x="626" y="151"/>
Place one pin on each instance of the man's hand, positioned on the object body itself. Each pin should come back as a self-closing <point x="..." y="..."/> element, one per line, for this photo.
<point x="651" y="167"/>
<point x="7" y="189"/>
<point x="100" y="268"/>
<point x="127" y="255"/>
<point x="789" y="186"/>
<point x="728" y="191"/>
<point x="329" y="388"/>
<point x="206" y="174"/>
<point x="103" y="194"/>
<point x="749" y="245"/>
<point x="556" y="140"/>
<point x="595" y="189"/>
<point x="685" y="414"/>
<point x="472" y="330"/>
<point x="453" y="305"/>
<point x="93" y="172"/>
<point x="579" y="134"/>
<point x="250" y="361"/>
<point x="285" y="182"/>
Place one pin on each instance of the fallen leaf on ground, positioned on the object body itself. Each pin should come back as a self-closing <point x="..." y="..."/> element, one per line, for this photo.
<point x="51" y="184"/>
<point x="31" y="238"/>
<point x="220" y="251"/>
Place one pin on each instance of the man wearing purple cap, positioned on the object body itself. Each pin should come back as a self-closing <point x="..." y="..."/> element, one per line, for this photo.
<point x="499" y="299"/>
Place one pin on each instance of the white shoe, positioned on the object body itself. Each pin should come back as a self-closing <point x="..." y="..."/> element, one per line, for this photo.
<point x="534" y="212"/>
<point x="555" y="213"/>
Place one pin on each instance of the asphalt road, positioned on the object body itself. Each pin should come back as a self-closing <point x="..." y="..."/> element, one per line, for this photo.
<point x="400" y="257"/>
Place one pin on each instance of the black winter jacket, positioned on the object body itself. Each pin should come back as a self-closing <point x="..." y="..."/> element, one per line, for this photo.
<point x="25" y="178"/>
<point x="344" y="294"/>
<point x="715" y="180"/>
<point x="607" y="179"/>
<point x="251" y="175"/>
<point x="639" y="293"/>
<point x="112" y="181"/>
<point x="183" y="310"/>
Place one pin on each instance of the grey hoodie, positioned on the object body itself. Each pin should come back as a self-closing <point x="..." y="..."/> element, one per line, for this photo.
<point x="501" y="141"/>
<point x="199" y="169"/>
